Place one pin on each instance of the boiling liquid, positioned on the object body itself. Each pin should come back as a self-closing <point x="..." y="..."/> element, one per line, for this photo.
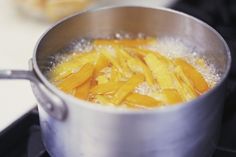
<point x="169" y="47"/>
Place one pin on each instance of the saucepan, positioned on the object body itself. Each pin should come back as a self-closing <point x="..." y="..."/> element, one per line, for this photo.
<point x="75" y="128"/>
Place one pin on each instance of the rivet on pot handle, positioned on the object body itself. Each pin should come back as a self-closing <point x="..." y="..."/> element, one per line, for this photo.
<point x="51" y="103"/>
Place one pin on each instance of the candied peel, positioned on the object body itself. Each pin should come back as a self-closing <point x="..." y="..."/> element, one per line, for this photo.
<point x="125" y="73"/>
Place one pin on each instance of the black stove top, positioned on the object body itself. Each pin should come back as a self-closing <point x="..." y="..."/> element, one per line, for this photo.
<point x="23" y="138"/>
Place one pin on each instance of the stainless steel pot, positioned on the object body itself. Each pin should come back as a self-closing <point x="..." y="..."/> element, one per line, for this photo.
<point x="75" y="128"/>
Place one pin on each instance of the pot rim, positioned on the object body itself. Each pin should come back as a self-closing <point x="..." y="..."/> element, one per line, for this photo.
<point x="113" y="110"/>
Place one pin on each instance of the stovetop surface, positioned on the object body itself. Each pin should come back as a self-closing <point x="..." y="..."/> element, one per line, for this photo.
<point x="23" y="138"/>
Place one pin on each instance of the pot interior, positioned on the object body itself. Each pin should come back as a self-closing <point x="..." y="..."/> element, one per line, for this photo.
<point x="106" y="22"/>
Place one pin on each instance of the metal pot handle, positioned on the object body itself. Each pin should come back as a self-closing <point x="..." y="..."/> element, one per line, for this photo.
<point x="51" y="103"/>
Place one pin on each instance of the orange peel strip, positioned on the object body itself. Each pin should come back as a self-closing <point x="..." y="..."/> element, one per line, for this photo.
<point x="172" y="96"/>
<point x="160" y="71"/>
<point x="142" y="100"/>
<point x="101" y="63"/>
<point x="76" y="79"/>
<point x="125" y="42"/>
<point x="127" y="88"/>
<point x="193" y="75"/>
<point x="82" y="91"/>
<point x="106" y="88"/>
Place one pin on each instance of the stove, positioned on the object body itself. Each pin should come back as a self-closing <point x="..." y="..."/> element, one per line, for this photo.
<point x="23" y="138"/>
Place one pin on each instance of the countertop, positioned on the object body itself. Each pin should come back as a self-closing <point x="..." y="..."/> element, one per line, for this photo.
<point x="18" y="36"/>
